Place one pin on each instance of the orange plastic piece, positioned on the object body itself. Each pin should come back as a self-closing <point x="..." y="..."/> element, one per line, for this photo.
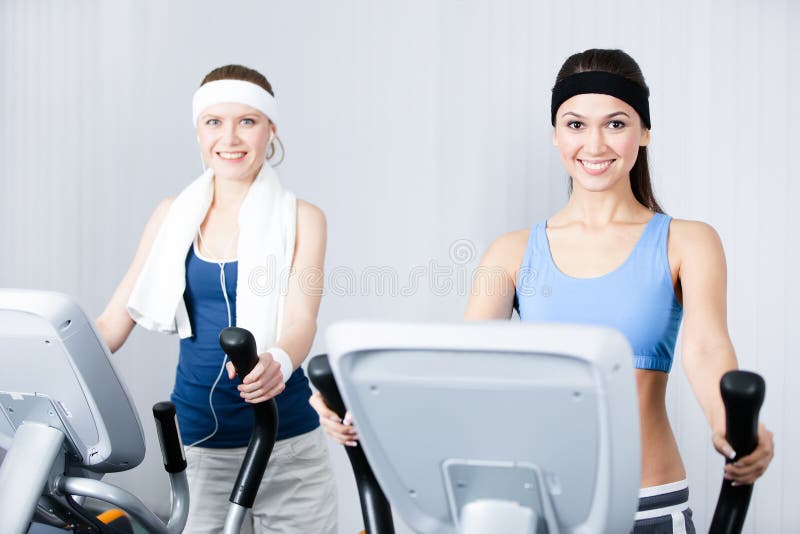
<point x="111" y="515"/>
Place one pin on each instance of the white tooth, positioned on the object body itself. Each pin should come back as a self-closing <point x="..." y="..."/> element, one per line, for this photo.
<point x="596" y="166"/>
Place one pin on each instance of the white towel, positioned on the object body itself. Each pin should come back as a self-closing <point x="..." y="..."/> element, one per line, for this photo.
<point x="267" y="226"/>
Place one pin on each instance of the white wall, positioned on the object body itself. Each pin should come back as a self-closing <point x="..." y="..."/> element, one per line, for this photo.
<point x="415" y="125"/>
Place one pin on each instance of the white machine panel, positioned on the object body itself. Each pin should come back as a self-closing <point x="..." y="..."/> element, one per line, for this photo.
<point x="541" y="415"/>
<point x="56" y="366"/>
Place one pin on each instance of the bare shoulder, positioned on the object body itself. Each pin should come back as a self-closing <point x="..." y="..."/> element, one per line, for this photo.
<point x="693" y="236"/>
<point x="160" y="213"/>
<point x="155" y="220"/>
<point x="312" y="230"/>
<point x="166" y="203"/>
<point x="511" y="241"/>
<point x="508" y="250"/>
<point x="494" y="283"/>
<point x="310" y="216"/>
<point x="695" y="246"/>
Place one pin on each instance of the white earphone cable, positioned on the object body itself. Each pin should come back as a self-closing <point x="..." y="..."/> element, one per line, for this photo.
<point x="225" y="357"/>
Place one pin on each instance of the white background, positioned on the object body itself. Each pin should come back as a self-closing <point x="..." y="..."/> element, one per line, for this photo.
<point x="414" y="125"/>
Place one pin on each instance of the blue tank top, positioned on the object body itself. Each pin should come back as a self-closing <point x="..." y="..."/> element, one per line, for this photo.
<point x="637" y="298"/>
<point x="199" y="364"/>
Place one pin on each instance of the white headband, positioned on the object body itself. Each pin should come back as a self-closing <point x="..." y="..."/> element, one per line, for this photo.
<point x="238" y="91"/>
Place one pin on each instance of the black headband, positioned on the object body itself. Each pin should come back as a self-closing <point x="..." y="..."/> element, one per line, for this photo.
<point x="603" y="83"/>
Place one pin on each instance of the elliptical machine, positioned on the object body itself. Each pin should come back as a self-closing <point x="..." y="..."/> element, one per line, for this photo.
<point x="73" y="421"/>
<point x="448" y="382"/>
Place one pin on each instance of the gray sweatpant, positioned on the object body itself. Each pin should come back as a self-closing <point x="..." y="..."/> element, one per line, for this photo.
<point x="297" y="494"/>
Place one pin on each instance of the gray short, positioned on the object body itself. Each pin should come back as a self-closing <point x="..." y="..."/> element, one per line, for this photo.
<point x="664" y="510"/>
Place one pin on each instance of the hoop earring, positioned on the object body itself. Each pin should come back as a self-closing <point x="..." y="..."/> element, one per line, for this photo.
<point x="274" y="151"/>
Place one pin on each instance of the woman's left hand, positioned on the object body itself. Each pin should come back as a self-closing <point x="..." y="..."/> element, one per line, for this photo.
<point x="264" y="382"/>
<point x="747" y="469"/>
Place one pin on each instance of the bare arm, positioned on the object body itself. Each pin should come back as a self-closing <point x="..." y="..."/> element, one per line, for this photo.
<point x="115" y="324"/>
<point x="495" y="281"/>
<point x="301" y="306"/>
<point x="306" y="284"/>
<point x="707" y="349"/>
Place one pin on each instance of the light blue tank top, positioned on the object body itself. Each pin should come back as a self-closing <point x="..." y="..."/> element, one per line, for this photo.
<point x="637" y="298"/>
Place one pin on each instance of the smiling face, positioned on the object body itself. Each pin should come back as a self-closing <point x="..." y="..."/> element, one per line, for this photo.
<point x="233" y="140"/>
<point x="599" y="138"/>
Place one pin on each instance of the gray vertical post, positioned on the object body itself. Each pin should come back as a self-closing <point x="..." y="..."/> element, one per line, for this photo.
<point x="234" y="519"/>
<point x="24" y="473"/>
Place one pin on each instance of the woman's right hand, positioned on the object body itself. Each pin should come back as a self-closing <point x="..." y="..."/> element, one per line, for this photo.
<point x="342" y="432"/>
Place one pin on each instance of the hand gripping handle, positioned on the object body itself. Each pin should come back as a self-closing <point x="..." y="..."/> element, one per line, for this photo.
<point x="743" y="395"/>
<point x="375" y="508"/>
<point x="240" y="346"/>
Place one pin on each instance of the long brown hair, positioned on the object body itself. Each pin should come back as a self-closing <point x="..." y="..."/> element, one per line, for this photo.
<point x="620" y="63"/>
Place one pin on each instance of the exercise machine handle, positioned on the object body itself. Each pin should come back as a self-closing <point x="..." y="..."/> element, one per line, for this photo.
<point x="375" y="508"/>
<point x="168" y="436"/>
<point x="743" y="394"/>
<point x="240" y="346"/>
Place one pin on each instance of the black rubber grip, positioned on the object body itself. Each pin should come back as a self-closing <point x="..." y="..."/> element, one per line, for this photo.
<point x="743" y="394"/>
<point x="321" y="375"/>
<point x="375" y="508"/>
<point x="169" y="437"/>
<point x="240" y="346"/>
